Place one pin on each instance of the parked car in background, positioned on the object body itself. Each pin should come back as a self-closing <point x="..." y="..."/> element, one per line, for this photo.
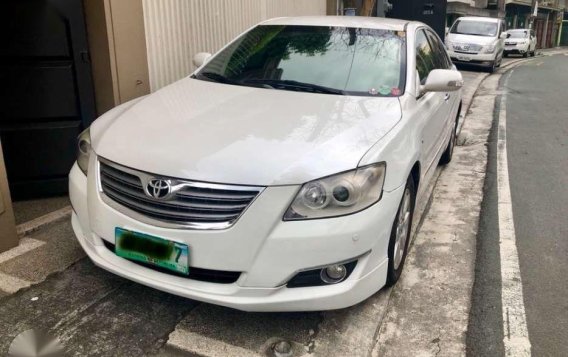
<point x="281" y="175"/>
<point x="477" y="41"/>
<point x="520" y="41"/>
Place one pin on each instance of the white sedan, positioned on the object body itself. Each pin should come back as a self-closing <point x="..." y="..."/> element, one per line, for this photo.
<point x="282" y="174"/>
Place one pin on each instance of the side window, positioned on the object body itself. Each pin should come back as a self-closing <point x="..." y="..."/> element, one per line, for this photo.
<point x="424" y="56"/>
<point x="440" y="56"/>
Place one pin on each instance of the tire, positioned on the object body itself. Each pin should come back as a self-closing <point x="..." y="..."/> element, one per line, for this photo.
<point x="401" y="228"/>
<point x="446" y="157"/>
<point x="493" y="67"/>
<point x="526" y="54"/>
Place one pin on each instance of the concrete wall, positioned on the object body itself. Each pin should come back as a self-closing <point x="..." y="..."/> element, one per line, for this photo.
<point x="8" y="236"/>
<point x="117" y="44"/>
<point x="178" y="29"/>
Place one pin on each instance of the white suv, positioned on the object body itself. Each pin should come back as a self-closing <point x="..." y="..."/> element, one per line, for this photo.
<point x="520" y="41"/>
<point x="477" y="41"/>
<point x="282" y="174"/>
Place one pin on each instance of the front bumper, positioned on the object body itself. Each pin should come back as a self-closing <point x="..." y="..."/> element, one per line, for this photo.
<point x="477" y="59"/>
<point x="267" y="251"/>
<point x="516" y="49"/>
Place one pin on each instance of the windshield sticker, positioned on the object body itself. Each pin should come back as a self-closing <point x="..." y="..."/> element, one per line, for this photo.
<point x="385" y="90"/>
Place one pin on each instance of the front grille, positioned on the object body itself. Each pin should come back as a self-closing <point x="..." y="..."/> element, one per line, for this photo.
<point x="192" y="205"/>
<point x="207" y="275"/>
<point x="467" y="48"/>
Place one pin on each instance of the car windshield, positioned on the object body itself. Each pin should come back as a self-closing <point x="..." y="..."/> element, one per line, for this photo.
<point x="476" y="28"/>
<point x="329" y="60"/>
<point x="517" y="34"/>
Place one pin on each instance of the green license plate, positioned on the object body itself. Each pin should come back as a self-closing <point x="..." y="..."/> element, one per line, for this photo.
<point x="152" y="250"/>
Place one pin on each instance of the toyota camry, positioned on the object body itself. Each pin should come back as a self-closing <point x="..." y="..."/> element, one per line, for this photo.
<point x="282" y="174"/>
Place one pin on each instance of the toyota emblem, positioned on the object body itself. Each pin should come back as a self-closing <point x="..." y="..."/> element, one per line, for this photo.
<point x="158" y="188"/>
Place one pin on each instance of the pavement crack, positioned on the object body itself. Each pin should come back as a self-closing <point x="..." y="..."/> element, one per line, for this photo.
<point x="311" y="344"/>
<point x="76" y="312"/>
<point x="380" y="325"/>
<point x="437" y="342"/>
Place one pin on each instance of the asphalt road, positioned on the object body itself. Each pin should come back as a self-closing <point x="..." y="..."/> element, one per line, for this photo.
<point x="93" y="313"/>
<point x="537" y="145"/>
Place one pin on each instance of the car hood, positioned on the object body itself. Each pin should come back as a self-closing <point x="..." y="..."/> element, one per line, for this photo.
<point x="222" y="133"/>
<point x="479" y="40"/>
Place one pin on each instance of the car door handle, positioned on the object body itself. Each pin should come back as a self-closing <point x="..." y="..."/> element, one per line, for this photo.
<point x="447" y="97"/>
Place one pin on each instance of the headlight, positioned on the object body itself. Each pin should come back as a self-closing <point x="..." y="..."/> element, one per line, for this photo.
<point x="338" y="195"/>
<point x="489" y="49"/>
<point x="84" y="150"/>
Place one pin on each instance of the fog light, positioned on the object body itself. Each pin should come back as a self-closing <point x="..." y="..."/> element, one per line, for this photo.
<point x="333" y="274"/>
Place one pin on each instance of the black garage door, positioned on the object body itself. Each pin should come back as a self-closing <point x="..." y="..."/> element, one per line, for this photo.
<point x="46" y="93"/>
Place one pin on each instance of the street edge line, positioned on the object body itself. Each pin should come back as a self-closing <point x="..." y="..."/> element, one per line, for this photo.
<point x="516" y="337"/>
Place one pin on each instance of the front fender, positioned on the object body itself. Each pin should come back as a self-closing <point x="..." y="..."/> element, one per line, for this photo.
<point x="400" y="149"/>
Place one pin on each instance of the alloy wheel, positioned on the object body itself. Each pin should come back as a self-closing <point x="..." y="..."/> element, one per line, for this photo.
<point x="402" y="228"/>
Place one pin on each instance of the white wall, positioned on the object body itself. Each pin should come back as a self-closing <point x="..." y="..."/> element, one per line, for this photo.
<point x="177" y="29"/>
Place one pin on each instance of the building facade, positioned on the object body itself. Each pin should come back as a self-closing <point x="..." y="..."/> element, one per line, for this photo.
<point x="545" y="17"/>
<point x="485" y="8"/>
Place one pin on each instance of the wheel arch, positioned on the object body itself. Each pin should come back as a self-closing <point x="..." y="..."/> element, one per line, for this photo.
<point x="415" y="174"/>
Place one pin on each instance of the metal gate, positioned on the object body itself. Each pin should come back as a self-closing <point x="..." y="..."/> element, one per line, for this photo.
<point x="46" y="96"/>
<point x="564" y="34"/>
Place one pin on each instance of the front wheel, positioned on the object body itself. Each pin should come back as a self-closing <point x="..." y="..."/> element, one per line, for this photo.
<point x="449" y="152"/>
<point x="400" y="233"/>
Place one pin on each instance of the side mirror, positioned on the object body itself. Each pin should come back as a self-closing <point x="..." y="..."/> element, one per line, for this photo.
<point x="504" y="35"/>
<point x="200" y="59"/>
<point x="442" y="80"/>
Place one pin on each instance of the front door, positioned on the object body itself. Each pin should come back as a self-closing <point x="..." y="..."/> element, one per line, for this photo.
<point x="46" y="96"/>
<point x="433" y="106"/>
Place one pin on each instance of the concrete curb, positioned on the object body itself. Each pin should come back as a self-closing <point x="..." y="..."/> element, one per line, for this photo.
<point x="428" y="312"/>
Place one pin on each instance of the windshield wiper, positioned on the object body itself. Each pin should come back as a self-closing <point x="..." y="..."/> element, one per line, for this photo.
<point x="295" y="85"/>
<point x="215" y="77"/>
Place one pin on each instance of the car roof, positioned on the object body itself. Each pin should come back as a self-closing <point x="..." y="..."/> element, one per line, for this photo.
<point x="341" y="21"/>
<point x="479" y="18"/>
